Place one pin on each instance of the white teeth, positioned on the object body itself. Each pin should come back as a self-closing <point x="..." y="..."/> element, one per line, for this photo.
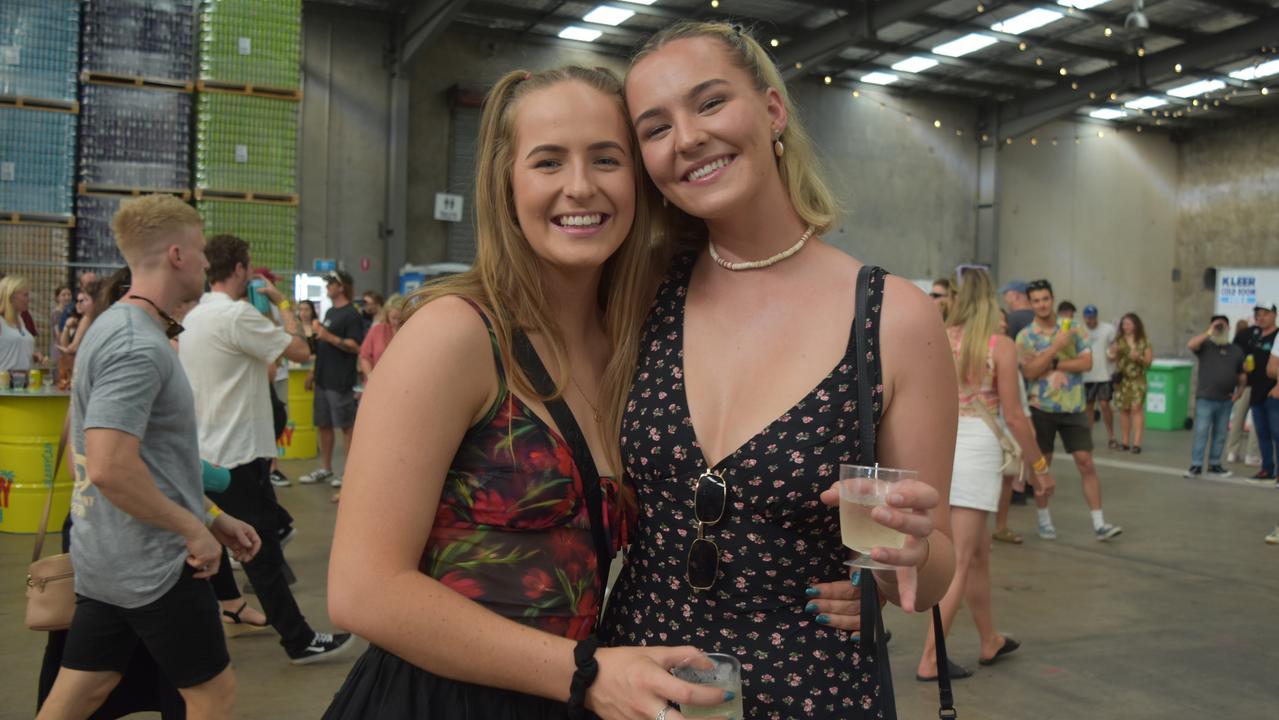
<point x="708" y="168"/>
<point x="581" y="220"/>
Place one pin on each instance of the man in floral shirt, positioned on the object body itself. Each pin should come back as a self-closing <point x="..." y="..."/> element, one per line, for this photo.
<point x="1054" y="356"/>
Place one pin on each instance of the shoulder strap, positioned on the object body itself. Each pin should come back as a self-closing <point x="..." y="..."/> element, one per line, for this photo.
<point x="497" y="353"/>
<point x="872" y="615"/>
<point x="48" y="500"/>
<point x="536" y="372"/>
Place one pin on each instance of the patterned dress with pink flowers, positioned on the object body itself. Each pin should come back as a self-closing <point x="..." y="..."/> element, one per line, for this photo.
<point x="776" y="538"/>
<point x="512" y="533"/>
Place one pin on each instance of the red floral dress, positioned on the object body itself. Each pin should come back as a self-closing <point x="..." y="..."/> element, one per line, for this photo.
<point x="512" y="531"/>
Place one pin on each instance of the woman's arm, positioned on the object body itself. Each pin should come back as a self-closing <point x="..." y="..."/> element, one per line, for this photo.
<point x="395" y="475"/>
<point x="917" y="431"/>
<point x="1008" y="386"/>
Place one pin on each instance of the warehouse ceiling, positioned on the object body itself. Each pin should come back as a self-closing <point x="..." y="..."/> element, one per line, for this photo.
<point x="1178" y="64"/>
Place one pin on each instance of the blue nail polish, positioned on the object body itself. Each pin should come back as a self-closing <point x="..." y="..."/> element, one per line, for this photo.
<point x="857" y="638"/>
<point x="823" y="620"/>
<point x="813" y="592"/>
<point x="856" y="577"/>
<point x="729" y="695"/>
<point x="811" y="607"/>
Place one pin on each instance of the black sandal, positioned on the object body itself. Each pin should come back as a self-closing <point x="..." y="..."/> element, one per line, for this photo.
<point x="1010" y="645"/>
<point x="957" y="672"/>
<point x="1136" y="449"/>
<point x="238" y="625"/>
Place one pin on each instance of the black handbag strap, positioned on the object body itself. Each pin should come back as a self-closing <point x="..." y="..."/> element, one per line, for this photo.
<point x="541" y="381"/>
<point x="872" y="615"/>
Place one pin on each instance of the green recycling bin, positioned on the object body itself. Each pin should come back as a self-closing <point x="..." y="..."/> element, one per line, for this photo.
<point x="1168" y="394"/>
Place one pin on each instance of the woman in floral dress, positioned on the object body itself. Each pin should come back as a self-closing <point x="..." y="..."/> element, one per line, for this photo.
<point x="464" y="548"/>
<point x="1132" y="355"/>
<point x="730" y="467"/>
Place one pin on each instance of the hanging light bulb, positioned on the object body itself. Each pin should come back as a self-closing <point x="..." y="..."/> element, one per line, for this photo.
<point x="1265" y="91"/>
<point x="1114" y="96"/>
<point x="1063" y="72"/>
<point x="1034" y="141"/>
<point x="1141" y="52"/>
<point x="714" y="3"/>
<point x="857" y="94"/>
<point x="1021" y="46"/>
<point x="959" y="132"/>
<point x="937" y="123"/>
<point x="827" y="80"/>
<point x="981" y="8"/>
<point x="1074" y="86"/>
<point x="1039" y="61"/>
<point x="1176" y="68"/>
<point x="1138" y="128"/>
<point x="774" y="42"/>
<point x="1054" y="142"/>
<point x="1195" y="102"/>
<point x="1101" y="134"/>
<point x="1108" y="32"/>
<point x="1092" y="95"/>
<point x="1008" y="141"/>
<point x="985" y="137"/>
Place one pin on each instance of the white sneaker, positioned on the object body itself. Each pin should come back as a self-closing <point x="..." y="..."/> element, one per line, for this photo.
<point x="1047" y="531"/>
<point x="1273" y="537"/>
<point x="1232" y="457"/>
<point x="336" y="482"/>
<point x="315" y="476"/>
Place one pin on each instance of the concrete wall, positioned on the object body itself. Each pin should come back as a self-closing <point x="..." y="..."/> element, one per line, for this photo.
<point x="1227" y="212"/>
<point x="1097" y="218"/>
<point x="908" y="188"/>
<point x="343" y="146"/>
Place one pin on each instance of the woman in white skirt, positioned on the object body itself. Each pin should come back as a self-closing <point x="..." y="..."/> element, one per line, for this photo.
<point x="986" y="365"/>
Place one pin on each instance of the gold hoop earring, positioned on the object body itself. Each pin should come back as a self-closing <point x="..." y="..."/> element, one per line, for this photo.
<point x="778" y="148"/>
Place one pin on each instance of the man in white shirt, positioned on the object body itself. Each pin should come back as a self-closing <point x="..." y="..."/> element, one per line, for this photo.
<point x="1097" y="385"/>
<point x="226" y="351"/>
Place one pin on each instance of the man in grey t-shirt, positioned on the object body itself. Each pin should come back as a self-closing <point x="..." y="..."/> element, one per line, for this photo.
<point x="140" y="546"/>
<point x="1221" y="382"/>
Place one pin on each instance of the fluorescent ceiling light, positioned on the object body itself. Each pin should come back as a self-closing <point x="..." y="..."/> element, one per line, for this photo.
<point x="966" y="44"/>
<point x="1108" y="114"/>
<point x="605" y="15"/>
<point x="1081" y="4"/>
<point x="1149" y="102"/>
<point x="880" y="78"/>
<point x="640" y="2"/>
<point x="573" y="32"/>
<point x="915" y="64"/>
<point x="1253" y="72"/>
<point x="1196" y="88"/>
<point x="1028" y="20"/>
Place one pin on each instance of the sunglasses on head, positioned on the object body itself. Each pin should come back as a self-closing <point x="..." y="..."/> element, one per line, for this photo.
<point x="961" y="269"/>
<point x="1038" y="285"/>
<point x="710" y="497"/>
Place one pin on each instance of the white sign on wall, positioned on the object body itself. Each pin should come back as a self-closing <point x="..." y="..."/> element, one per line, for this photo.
<point x="1241" y="289"/>
<point x="448" y="207"/>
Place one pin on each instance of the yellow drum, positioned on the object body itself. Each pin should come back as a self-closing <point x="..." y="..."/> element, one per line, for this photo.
<point x="298" y="441"/>
<point x="30" y="425"/>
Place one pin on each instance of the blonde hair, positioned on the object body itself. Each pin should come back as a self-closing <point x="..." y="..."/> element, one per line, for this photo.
<point x="974" y="308"/>
<point x="505" y="277"/>
<point x="9" y="286"/>
<point x="799" y="166"/>
<point x="394" y="302"/>
<point x="144" y="226"/>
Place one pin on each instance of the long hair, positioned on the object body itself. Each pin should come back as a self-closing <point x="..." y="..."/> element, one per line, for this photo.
<point x="799" y="166"/>
<point x="505" y="278"/>
<point x="1138" y="327"/>
<point x="9" y="286"/>
<point x="975" y="308"/>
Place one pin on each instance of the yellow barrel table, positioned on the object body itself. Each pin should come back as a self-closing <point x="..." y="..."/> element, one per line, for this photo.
<point x="298" y="440"/>
<point x="30" y="425"/>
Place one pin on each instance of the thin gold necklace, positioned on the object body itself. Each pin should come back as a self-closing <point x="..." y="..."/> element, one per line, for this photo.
<point x="585" y="397"/>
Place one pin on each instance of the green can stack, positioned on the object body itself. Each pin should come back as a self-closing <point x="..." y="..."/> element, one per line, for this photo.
<point x="254" y="42"/>
<point x="246" y="143"/>
<point x="269" y="229"/>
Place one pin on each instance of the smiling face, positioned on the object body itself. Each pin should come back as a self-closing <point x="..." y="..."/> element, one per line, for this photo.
<point x="705" y="129"/>
<point x="572" y="174"/>
<point x="1041" y="301"/>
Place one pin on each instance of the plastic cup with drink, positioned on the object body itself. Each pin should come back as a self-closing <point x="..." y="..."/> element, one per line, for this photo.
<point x="861" y="490"/>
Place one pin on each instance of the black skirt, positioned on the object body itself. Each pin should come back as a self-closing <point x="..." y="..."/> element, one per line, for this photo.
<point x="382" y="686"/>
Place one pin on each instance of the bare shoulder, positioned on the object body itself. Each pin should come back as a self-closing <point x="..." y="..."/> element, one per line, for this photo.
<point x="908" y="316"/>
<point x="446" y="326"/>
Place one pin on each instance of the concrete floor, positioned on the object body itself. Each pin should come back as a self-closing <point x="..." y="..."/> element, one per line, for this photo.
<point x="1176" y="618"/>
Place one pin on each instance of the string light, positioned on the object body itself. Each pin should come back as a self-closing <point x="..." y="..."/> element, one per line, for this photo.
<point x="1021" y="46"/>
<point x="1114" y="96"/>
<point x="1138" y="128"/>
<point x="857" y="94"/>
<point x="985" y="137"/>
<point x="1054" y="142"/>
<point x="1101" y="134"/>
<point x="1176" y="68"/>
<point x="1092" y="95"/>
<point x="937" y="124"/>
<point x="1141" y="52"/>
<point x="799" y="66"/>
<point x="1008" y="141"/>
<point x="1063" y="72"/>
<point x="959" y="132"/>
<point x="1074" y="86"/>
<point x="1108" y="32"/>
<point x="827" y="80"/>
<point x="774" y="42"/>
<point x="1195" y="102"/>
<point x="1039" y="61"/>
<point x="714" y="3"/>
<point x="981" y="8"/>
<point x="1265" y="91"/>
<point x="1034" y="141"/>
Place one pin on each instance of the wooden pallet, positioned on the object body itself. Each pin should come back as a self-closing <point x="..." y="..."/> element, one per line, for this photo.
<point x="263" y="91"/>
<point x="123" y="191"/>
<point x="18" y="101"/>
<point x="21" y="218"/>
<point x="101" y="78"/>
<point x="261" y="198"/>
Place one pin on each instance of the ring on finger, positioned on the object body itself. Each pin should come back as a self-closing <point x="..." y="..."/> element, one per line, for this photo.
<point x="661" y="714"/>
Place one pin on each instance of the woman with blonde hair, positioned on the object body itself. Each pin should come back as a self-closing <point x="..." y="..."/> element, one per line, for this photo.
<point x="479" y="582"/>
<point x="747" y="397"/>
<point x="988" y="379"/>
<point x="17" y="344"/>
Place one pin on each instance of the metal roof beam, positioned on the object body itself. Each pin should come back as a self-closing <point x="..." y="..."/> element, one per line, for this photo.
<point x="1088" y="51"/>
<point x="424" y="22"/>
<point x="1024" y="114"/>
<point x="1243" y="7"/>
<point x="830" y="39"/>
<point x="1018" y="71"/>
<point x="1097" y="17"/>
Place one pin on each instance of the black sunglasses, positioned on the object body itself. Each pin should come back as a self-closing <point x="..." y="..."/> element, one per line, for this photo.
<point x="936" y="295"/>
<point x="1038" y="285"/>
<point x="710" y="497"/>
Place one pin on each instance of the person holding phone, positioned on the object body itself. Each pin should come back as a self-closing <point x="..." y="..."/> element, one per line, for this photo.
<point x="1222" y="381"/>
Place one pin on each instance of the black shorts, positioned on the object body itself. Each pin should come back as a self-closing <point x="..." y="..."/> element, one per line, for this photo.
<point x="182" y="631"/>
<point x="1073" y="427"/>
<point x="1102" y="391"/>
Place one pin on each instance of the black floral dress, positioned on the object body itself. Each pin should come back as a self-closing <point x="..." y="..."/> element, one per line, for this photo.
<point x="776" y="537"/>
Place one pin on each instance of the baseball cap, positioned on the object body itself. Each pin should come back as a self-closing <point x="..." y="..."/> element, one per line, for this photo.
<point x="340" y="277"/>
<point x="1268" y="307"/>
<point x="1090" y="309"/>
<point x="1014" y="286"/>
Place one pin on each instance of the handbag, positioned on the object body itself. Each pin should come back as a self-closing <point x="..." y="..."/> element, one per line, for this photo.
<point x="1013" y="457"/>
<point x="873" y="636"/>
<point x="50" y="580"/>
